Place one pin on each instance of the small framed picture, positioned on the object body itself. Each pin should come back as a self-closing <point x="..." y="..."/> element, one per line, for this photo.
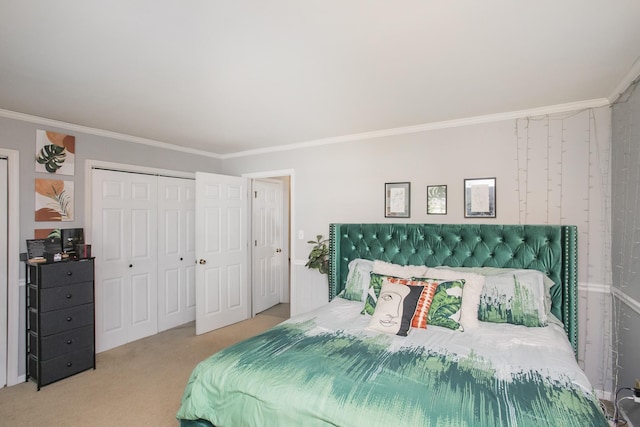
<point x="436" y="199"/>
<point x="397" y="199"/>
<point x="480" y="198"/>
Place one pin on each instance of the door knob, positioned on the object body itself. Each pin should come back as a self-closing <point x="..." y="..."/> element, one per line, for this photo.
<point x="278" y="250"/>
<point x="202" y="261"/>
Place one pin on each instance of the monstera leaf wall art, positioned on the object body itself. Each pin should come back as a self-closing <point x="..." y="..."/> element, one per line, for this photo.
<point x="54" y="200"/>
<point x="55" y="153"/>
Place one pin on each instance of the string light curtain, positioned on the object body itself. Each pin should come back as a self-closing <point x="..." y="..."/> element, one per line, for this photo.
<point x="626" y="238"/>
<point x="563" y="177"/>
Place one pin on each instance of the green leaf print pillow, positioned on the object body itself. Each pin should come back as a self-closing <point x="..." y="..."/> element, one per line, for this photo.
<point x="514" y="297"/>
<point x="446" y="306"/>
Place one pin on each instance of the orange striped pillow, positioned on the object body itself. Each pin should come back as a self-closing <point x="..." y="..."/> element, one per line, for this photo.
<point x="419" y="319"/>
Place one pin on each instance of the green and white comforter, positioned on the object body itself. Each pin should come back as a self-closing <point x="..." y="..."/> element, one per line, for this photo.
<point x="326" y="369"/>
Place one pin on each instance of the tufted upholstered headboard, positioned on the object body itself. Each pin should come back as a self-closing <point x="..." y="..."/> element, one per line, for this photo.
<point x="551" y="249"/>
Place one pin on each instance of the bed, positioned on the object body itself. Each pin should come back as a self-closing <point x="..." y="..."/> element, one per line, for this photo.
<point x="459" y="351"/>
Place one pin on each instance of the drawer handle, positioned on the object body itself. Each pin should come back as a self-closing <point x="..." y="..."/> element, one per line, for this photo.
<point x="69" y="319"/>
<point x="69" y="273"/>
<point x="69" y="364"/>
<point x="69" y="296"/>
<point x="69" y="341"/>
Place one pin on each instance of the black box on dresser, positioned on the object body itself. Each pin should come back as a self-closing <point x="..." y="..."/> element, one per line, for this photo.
<point x="60" y="320"/>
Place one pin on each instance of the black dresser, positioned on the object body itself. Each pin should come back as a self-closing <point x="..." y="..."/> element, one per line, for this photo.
<point x="60" y="320"/>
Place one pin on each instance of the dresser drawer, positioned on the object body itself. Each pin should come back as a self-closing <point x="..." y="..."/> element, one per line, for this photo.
<point x="61" y="296"/>
<point x="53" y="322"/>
<point x="62" y="343"/>
<point x="61" y="367"/>
<point x="61" y="273"/>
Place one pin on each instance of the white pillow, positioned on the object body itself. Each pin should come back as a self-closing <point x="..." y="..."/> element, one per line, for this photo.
<point x="397" y="270"/>
<point x="473" y="284"/>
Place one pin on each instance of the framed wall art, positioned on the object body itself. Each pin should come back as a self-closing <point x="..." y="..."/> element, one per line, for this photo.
<point x="54" y="200"/>
<point x="397" y="199"/>
<point x="55" y="153"/>
<point x="480" y="198"/>
<point x="436" y="199"/>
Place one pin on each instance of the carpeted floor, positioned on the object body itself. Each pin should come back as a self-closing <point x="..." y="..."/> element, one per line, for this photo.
<point x="139" y="384"/>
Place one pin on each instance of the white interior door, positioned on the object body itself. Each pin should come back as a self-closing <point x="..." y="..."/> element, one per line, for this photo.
<point x="124" y="242"/>
<point x="222" y="291"/>
<point x="176" y="252"/>
<point x="267" y="249"/>
<point x="4" y="205"/>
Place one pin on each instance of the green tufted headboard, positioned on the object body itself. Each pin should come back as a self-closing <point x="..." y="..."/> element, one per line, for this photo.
<point x="551" y="249"/>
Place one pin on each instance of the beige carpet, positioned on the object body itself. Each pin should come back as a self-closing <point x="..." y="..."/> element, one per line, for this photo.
<point x="139" y="384"/>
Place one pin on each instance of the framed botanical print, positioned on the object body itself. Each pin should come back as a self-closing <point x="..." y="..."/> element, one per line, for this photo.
<point x="436" y="199"/>
<point x="397" y="199"/>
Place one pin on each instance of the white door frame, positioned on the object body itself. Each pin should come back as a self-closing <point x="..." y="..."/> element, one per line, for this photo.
<point x="292" y="220"/>
<point x="4" y="290"/>
<point x="13" y="267"/>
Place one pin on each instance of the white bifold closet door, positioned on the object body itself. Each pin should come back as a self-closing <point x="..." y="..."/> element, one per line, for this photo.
<point x="142" y="285"/>
<point x="124" y="230"/>
<point x="176" y="252"/>
<point x="4" y="193"/>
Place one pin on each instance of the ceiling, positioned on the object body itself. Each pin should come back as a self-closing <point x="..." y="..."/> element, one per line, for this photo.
<point x="235" y="76"/>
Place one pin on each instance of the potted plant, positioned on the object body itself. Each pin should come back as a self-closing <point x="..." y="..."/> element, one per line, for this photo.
<point x="319" y="255"/>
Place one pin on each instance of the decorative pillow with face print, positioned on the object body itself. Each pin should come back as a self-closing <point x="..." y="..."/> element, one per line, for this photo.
<point x="399" y="306"/>
<point x="375" y="285"/>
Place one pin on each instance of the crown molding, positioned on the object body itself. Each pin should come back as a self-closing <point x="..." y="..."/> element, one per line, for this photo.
<point x="627" y="81"/>
<point x="532" y="112"/>
<point x="101" y="132"/>
<point x="553" y="109"/>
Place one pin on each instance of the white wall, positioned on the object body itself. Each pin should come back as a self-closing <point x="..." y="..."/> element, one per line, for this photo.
<point x="548" y="170"/>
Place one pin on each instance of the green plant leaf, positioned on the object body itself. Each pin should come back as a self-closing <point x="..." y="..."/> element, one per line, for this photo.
<point x="319" y="255"/>
<point x="61" y="203"/>
<point x="52" y="157"/>
<point x="55" y="233"/>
